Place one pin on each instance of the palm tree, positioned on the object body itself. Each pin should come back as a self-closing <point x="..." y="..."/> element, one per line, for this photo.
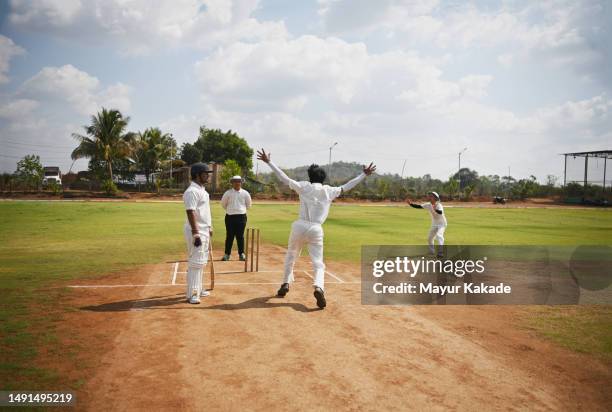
<point x="153" y="150"/>
<point x="105" y="139"/>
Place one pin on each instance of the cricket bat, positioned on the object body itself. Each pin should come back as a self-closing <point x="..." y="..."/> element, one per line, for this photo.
<point x="211" y="260"/>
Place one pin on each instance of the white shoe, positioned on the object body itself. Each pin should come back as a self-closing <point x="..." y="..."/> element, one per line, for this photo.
<point x="194" y="299"/>
<point x="204" y="293"/>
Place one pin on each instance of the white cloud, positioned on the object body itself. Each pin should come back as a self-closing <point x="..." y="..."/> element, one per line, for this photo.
<point x="283" y="73"/>
<point x="79" y="89"/>
<point x="142" y="27"/>
<point x="8" y="50"/>
<point x="293" y="74"/>
<point x="52" y="12"/>
<point x="18" y="108"/>
<point x="563" y="33"/>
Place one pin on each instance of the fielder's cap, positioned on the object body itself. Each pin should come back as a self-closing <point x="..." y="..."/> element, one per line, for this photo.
<point x="236" y="179"/>
<point x="198" y="168"/>
<point x="435" y="194"/>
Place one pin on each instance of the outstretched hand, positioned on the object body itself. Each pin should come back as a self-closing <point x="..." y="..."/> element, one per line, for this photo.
<point x="263" y="156"/>
<point x="370" y="169"/>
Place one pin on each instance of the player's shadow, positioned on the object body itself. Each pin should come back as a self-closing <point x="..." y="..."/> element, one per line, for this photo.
<point x="261" y="303"/>
<point x="137" y="304"/>
<point x="178" y="302"/>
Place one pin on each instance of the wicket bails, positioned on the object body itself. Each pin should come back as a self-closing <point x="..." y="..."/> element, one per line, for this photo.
<point x="251" y="249"/>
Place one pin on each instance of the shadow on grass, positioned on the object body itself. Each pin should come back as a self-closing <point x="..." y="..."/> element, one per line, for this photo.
<point x="178" y="302"/>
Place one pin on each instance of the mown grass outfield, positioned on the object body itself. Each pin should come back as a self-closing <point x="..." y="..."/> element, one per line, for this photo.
<point x="46" y="242"/>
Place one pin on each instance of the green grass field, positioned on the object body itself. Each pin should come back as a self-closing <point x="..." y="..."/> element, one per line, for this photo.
<point x="43" y="242"/>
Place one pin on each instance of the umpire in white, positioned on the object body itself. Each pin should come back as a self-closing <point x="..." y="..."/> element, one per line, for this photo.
<point x="235" y="201"/>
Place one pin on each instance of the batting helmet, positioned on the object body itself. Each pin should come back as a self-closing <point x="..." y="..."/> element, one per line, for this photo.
<point x="198" y="168"/>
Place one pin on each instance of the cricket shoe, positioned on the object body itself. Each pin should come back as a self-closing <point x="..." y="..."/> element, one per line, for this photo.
<point x="284" y="289"/>
<point x="320" y="297"/>
<point x="204" y="293"/>
<point x="242" y="257"/>
<point x="194" y="299"/>
<point x="225" y="258"/>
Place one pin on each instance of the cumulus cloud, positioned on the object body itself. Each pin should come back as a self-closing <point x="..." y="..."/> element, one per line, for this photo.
<point x="309" y="72"/>
<point x="562" y="33"/>
<point x="79" y="89"/>
<point x="8" y="50"/>
<point x="283" y="74"/>
<point x="140" y="27"/>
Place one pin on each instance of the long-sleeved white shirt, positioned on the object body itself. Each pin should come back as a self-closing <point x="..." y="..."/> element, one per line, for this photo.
<point x="315" y="198"/>
<point x="196" y="198"/>
<point x="236" y="202"/>
<point x="438" y="219"/>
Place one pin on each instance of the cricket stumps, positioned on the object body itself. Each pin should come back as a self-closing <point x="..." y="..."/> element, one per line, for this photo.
<point x="252" y="250"/>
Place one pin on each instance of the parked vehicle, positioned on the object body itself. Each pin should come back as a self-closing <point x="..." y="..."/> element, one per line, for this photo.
<point x="52" y="175"/>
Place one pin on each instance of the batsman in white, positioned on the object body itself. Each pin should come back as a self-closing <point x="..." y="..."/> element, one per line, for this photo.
<point x="315" y="200"/>
<point x="198" y="230"/>
<point x="438" y="222"/>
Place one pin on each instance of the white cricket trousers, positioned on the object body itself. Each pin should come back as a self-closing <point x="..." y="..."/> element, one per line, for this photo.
<point x="311" y="234"/>
<point x="197" y="260"/>
<point x="436" y="233"/>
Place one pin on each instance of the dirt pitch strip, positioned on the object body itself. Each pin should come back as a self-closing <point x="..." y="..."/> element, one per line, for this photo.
<point x="245" y="349"/>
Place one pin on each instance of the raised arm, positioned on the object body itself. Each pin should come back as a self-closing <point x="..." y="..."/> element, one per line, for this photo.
<point x="265" y="157"/>
<point x="367" y="171"/>
<point x="414" y="205"/>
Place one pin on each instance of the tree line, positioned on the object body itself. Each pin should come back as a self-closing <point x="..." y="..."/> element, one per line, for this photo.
<point x="116" y="154"/>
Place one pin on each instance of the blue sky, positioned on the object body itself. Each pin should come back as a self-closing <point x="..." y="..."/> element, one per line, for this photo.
<point x="516" y="82"/>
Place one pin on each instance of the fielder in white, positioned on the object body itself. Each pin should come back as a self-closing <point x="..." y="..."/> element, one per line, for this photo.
<point x="198" y="230"/>
<point x="438" y="222"/>
<point x="315" y="200"/>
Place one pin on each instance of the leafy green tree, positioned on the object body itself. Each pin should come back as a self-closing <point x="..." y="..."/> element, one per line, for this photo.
<point x="152" y="150"/>
<point x="230" y="168"/>
<point x="190" y="154"/>
<point x="524" y="188"/>
<point x="30" y="171"/>
<point x="467" y="192"/>
<point x="217" y="146"/>
<point x="452" y="186"/>
<point x="105" y="139"/>
<point x="466" y="177"/>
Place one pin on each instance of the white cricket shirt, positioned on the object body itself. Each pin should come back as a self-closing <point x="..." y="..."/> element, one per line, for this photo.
<point x="315" y="198"/>
<point x="236" y="202"/>
<point x="436" y="218"/>
<point x="196" y="198"/>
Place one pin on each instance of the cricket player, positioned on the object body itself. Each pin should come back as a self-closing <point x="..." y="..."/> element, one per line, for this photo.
<point x="235" y="201"/>
<point x="315" y="200"/>
<point x="438" y="222"/>
<point x="198" y="230"/>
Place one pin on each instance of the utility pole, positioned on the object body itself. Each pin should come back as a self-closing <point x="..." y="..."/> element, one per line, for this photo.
<point x="171" y="158"/>
<point x="459" y="170"/>
<point x="329" y="164"/>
